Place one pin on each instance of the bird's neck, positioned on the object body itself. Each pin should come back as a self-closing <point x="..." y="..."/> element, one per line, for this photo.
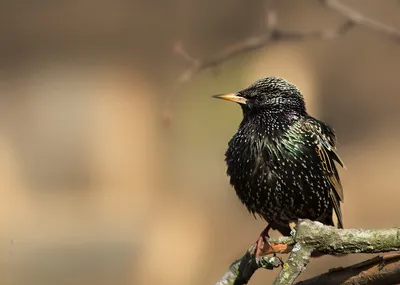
<point x="268" y="125"/>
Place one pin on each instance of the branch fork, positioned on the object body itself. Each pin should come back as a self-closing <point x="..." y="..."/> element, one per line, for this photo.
<point x="311" y="238"/>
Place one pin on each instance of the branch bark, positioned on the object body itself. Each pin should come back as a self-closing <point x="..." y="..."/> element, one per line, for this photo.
<point x="380" y="270"/>
<point x="312" y="237"/>
<point x="296" y="264"/>
<point x="241" y="270"/>
<point x="330" y="240"/>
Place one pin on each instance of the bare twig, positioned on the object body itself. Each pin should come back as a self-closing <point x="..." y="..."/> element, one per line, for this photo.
<point x="359" y="19"/>
<point x="382" y="270"/>
<point x="314" y="236"/>
<point x="274" y="34"/>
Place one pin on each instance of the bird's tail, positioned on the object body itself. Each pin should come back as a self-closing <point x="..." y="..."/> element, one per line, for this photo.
<point x="328" y="219"/>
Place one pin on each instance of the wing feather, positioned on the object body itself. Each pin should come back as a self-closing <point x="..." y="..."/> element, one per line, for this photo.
<point x="325" y="142"/>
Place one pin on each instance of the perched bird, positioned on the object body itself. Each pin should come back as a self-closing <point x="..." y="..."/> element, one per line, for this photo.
<point x="281" y="161"/>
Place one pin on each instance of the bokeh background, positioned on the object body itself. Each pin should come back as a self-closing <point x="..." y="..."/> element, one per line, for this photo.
<point x="97" y="189"/>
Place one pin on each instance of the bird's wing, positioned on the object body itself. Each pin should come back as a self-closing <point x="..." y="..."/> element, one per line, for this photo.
<point x="325" y="142"/>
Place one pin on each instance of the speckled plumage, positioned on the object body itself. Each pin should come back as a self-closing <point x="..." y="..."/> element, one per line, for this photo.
<point x="281" y="161"/>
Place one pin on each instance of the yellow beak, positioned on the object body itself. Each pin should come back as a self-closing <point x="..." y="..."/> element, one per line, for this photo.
<point x="233" y="97"/>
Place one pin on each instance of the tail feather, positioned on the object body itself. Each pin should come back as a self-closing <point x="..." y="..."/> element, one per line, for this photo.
<point x="338" y="211"/>
<point x="328" y="219"/>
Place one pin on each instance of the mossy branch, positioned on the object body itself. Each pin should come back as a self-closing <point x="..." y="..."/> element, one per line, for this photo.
<point x="313" y="237"/>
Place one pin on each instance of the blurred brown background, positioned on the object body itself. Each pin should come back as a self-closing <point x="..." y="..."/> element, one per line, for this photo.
<point x="97" y="190"/>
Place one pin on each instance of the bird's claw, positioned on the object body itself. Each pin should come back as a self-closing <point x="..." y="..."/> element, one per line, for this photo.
<point x="262" y="247"/>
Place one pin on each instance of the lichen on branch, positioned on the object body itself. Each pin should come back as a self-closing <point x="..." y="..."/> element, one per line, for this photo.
<point x="310" y="237"/>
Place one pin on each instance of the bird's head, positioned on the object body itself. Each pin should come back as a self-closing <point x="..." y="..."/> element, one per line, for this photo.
<point x="269" y="95"/>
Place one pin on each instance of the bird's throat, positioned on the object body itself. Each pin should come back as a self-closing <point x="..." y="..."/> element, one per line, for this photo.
<point x="267" y="126"/>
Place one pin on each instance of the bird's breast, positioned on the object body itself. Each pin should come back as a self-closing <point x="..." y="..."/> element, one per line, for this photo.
<point x="250" y="161"/>
<point x="274" y="181"/>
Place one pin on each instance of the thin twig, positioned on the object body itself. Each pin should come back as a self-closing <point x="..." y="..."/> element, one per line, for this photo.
<point x="273" y="34"/>
<point x="359" y="19"/>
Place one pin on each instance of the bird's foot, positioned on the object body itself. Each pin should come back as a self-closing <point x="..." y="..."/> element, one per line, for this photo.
<point x="263" y="247"/>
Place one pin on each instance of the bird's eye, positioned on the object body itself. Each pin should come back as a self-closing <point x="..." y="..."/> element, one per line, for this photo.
<point x="260" y="99"/>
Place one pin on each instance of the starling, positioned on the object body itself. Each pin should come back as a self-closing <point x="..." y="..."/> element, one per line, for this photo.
<point x="281" y="161"/>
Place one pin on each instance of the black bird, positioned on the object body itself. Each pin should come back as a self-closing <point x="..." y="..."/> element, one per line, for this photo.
<point x="281" y="161"/>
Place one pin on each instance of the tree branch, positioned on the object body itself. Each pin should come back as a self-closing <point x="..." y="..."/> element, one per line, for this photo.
<point x="359" y="19"/>
<point x="380" y="270"/>
<point x="330" y="240"/>
<point x="274" y="34"/>
<point x="241" y="270"/>
<point x="314" y="237"/>
<point x="271" y="34"/>
<point x="295" y="265"/>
